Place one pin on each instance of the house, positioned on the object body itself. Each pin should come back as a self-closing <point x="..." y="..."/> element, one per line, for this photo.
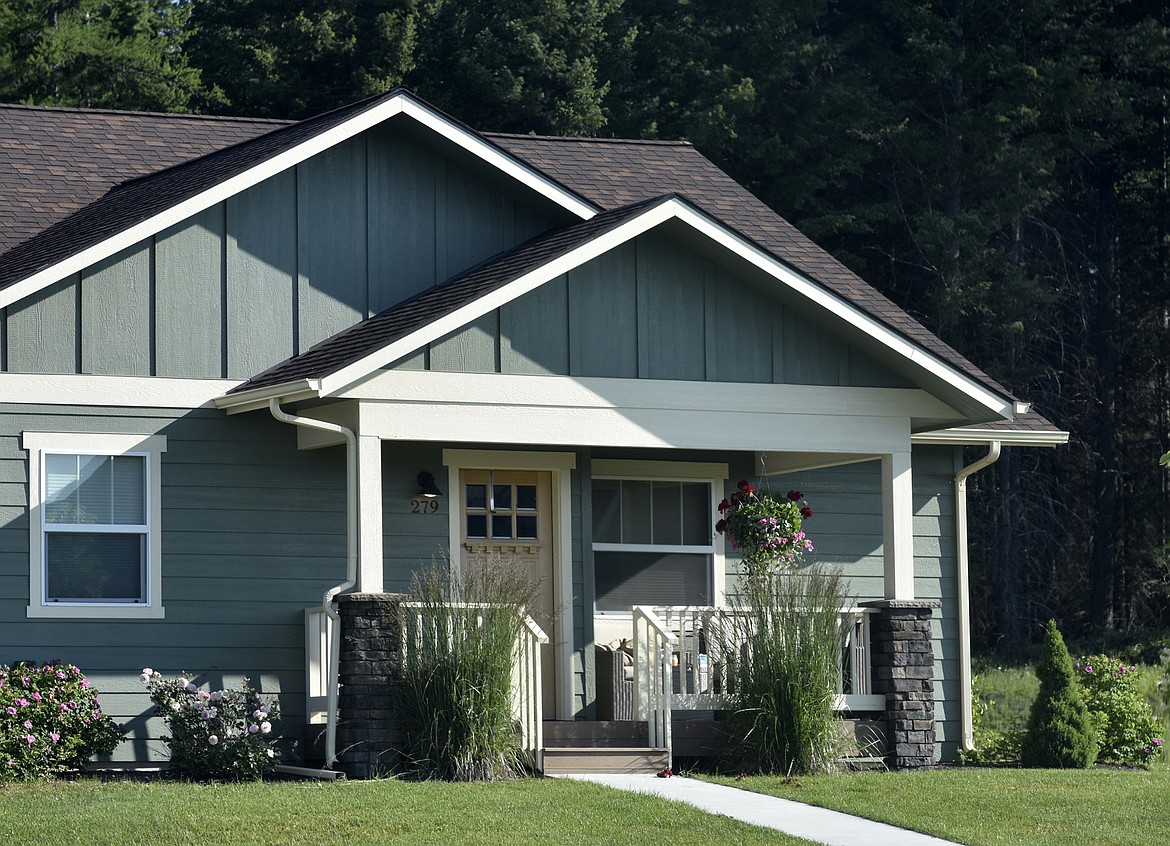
<point x="248" y="350"/>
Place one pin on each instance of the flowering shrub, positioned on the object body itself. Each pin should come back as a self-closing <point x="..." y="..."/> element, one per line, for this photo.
<point x="766" y="529"/>
<point x="1127" y="729"/>
<point x="223" y="734"/>
<point x="50" y="721"/>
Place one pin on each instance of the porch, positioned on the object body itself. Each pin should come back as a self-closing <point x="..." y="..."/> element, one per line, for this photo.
<point x="663" y="696"/>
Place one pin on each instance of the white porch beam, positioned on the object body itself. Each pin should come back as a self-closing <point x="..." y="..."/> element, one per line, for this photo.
<point x="898" y="525"/>
<point x="370" y="566"/>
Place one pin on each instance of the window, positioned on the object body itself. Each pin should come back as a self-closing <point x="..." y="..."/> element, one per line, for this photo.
<point x="653" y="534"/>
<point x="94" y="517"/>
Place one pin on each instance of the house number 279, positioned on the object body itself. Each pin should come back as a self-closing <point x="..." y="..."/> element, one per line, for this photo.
<point x="424" y="506"/>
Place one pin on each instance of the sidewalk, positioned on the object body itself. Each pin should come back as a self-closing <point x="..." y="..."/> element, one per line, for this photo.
<point x="796" y="818"/>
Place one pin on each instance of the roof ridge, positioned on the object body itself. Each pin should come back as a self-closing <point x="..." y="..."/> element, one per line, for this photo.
<point x="656" y="142"/>
<point x="124" y="112"/>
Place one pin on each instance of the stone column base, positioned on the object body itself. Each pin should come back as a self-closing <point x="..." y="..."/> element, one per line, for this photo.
<point x="902" y="659"/>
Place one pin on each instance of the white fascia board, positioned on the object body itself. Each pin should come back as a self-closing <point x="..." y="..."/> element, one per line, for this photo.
<point x="496" y="157"/>
<point x="459" y="318"/>
<point x="112" y="391"/>
<point x="831" y="302"/>
<point x="1007" y="437"/>
<point x="497" y="389"/>
<point x="401" y="104"/>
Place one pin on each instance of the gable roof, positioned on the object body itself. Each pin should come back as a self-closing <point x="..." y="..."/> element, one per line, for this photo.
<point x="583" y="175"/>
<point x="149" y="204"/>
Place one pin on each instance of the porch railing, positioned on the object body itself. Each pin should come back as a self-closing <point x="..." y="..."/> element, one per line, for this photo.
<point x="653" y="685"/>
<point x="527" y="678"/>
<point x="702" y="658"/>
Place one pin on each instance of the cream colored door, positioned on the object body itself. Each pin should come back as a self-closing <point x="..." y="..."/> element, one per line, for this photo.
<point x="507" y="514"/>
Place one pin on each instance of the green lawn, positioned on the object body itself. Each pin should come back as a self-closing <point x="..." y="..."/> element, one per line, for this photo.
<point x="537" y="811"/>
<point x="999" y="807"/>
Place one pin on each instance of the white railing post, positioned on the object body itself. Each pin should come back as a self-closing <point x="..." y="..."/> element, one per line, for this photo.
<point x="653" y="687"/>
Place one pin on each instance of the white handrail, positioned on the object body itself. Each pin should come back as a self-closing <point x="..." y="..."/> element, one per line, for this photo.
<point x="653" y="688"/>
<point x="527" y="677"/>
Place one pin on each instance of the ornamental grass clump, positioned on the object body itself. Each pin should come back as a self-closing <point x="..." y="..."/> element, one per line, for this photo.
<point x="1128" y="731"/>
<point x="224" y="734"/>
<point x="454" y="693"/>
<point x="50" y="721"/>
<point x="1061" y="732"/>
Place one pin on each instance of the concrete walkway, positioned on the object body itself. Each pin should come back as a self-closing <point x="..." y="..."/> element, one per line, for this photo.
<point x="796" y="818"/>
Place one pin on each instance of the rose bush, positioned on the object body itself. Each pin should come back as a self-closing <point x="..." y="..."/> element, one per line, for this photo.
<point x="766" y="529"/>
<point x="50" y="721"/>
<point x="1127" y="729"/>
<point x="217" y="734"/>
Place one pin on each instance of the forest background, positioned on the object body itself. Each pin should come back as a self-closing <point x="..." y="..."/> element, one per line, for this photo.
<point x="999" y="168"/>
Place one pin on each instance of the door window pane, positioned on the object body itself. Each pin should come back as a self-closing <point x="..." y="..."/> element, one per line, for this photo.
<point x="502" y="497"/>
<point x="477" y="525"/>
<point x="526" y="526"/>
<point x="501" y="525"/>
<point x="477" y="496"/>
<point x="526" y="496"/>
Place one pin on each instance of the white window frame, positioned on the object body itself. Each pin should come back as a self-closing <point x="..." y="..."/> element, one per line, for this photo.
<point x="712" y="473"/>
<point x="151" y="447"/>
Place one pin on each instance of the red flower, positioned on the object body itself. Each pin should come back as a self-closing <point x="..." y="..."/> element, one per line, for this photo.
<point x="806" y="512"/>
<point x="795" y="495"/>
<point x="749" y="490"/>
<point x="721" y="525"/>
<point x="723" y="506"/>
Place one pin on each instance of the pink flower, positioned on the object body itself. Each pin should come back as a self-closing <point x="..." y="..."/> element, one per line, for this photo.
<point x="12" y="711"/>
<point x="30" y="739"/>
<point x="1088" y="668"/>
<point x="60" y="674"/>
<point x="1157" y="741"/>
<point x="213" y="740"/>
<point x="54" y="736"/>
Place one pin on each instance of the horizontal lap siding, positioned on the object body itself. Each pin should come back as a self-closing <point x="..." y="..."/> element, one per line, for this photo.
<point x="253" y="532"/>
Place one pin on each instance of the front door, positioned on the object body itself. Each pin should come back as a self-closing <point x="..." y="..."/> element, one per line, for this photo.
<point x="507" y="515"/>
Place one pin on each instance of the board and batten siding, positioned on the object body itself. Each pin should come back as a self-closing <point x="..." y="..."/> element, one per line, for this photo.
<point x="653" y="308"/>
<point x="253" y="532"/>
<point x="846" y="529"/>
<point x="271" y="271"/>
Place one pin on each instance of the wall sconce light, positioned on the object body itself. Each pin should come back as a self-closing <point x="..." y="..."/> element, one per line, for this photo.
<point x="427" y="486"/>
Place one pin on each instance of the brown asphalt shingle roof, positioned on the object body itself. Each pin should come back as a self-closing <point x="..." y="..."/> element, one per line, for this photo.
<point x="70" y="178"/>
<point x="54" y="161"/>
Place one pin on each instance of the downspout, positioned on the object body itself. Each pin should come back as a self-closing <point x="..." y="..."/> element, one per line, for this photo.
<point x="965" y="692"/>
<point x="351" y="563"/>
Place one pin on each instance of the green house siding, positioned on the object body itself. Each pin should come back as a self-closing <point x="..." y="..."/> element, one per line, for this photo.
<point x="653" y="308"/>
<point x="275" y="269"/>
<point x="253" y="532"/>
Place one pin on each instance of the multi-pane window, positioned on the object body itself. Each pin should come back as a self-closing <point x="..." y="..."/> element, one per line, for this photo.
<point x="499" y="507"/>
<point x="653" y="542"/>
<point x="94" y="512"/>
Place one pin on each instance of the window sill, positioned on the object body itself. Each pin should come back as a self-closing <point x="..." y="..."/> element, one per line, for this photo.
<point x="96" y="612"/>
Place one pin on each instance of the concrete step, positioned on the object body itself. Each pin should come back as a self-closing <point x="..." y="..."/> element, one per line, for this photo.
<point x="608" y="759"/>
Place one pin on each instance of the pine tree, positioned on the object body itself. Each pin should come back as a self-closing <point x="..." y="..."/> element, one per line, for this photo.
<point x="1061" y="733"/>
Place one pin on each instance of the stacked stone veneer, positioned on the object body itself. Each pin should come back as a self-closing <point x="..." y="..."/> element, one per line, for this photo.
<point x="902" y="659"/>
<point x="368" y="728"/>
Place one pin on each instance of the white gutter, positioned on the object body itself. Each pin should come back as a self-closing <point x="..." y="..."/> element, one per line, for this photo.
<point x="993" y="450"/>
<point x="351" y="564"/>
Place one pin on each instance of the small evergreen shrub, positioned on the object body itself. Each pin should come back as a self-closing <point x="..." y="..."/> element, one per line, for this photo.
<point x="454" y="693"/>
<point x="1061" y="732"/>
<point x="1128" y="731"/>
<point x="787" y="642"/>
<point x="50" y="721"/>
<point x="218" y="734"/>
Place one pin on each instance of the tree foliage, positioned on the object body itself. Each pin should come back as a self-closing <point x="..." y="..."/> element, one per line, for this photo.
<point x="1061" y="734"/>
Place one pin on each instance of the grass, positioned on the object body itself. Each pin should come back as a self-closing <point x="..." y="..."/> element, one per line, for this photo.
<point x="537" y="811"/>
<point x="996" y="807"/>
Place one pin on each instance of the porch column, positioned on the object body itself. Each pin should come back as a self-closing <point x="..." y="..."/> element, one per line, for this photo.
<point x="369" y="732"/>
<point x="902" y="658"/>
<point x="898" y="525"/>
<point x="369" y="579"/>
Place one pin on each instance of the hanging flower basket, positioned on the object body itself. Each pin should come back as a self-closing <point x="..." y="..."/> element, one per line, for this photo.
<point x="765" y="528"/>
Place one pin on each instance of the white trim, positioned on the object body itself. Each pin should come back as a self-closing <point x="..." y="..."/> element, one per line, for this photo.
<point x="713" y="473"/>
<point x="37" y="444"/>
<point x="371" y="567"/>
<point x="560" y="466"/>
<point x="116" y="391"/>
<point x="898" y="525"/>
<point x="961" y="436"/>
<point x="401" y="103"/>
<point x="673" y="209"/>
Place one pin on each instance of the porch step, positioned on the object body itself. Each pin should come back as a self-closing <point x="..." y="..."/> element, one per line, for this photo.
<point x="604" y="759"/>
<point x="588" y="734"/>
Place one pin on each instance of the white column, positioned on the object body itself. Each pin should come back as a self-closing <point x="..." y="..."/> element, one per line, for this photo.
<point x="898" y="525"/>
<point x="370" y="566"/>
